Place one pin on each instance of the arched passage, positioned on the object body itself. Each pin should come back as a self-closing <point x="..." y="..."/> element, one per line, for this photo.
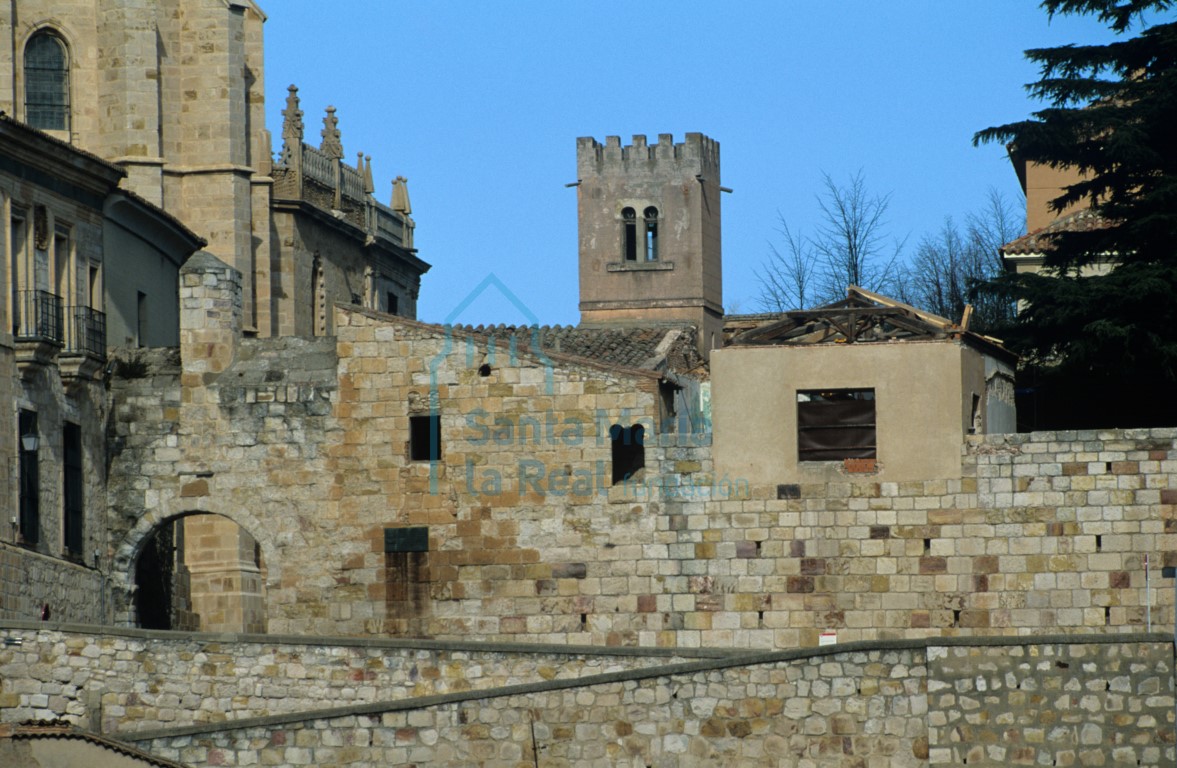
<point x="200" y="572"/>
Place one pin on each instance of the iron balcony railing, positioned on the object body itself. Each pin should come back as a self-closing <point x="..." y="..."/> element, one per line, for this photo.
<point x="39" y="316"/>
<point x="87" y="333"/>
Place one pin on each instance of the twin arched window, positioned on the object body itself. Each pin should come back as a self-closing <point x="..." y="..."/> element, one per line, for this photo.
<point x="648" y="237"/>
<point x="46" y="69"/>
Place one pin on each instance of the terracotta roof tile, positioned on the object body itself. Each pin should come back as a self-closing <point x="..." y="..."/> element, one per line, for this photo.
<point x="641" y="347"/>
<point x="1041" y="240"/>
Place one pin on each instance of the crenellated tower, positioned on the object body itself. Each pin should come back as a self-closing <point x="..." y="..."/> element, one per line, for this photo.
<point x="649" y="224"/>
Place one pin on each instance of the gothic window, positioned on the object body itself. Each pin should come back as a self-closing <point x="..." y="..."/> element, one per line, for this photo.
<point x="47" y="82"/>
<point x="629" y="228"/>
<point x="651" y="217"/>
<point x="836" y="424"/>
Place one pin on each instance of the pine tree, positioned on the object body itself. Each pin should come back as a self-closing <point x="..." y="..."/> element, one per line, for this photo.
<point x="1102" y="350"/>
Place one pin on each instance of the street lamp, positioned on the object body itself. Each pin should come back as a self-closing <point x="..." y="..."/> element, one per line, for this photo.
<point x="30" y="442"/>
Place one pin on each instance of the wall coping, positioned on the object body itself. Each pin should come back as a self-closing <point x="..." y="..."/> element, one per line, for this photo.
<point x="419" y="644"/>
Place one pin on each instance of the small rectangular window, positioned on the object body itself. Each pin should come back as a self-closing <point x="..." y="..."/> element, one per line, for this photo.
<point x="836" y="424"/>
<point x="141" y="320"/>
<point x="425" y="437"/>
<point x="628" y="450"/>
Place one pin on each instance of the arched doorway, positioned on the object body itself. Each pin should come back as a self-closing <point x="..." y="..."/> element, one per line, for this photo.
<point x="200" y="572"/>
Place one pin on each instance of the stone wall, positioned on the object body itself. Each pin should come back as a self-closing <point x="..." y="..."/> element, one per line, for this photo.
<point x="1051" y="704"/>
<point x="30" y="581"/>
<point x="306" y="446"/>
<point x="1033" y="701"/>
<point x="134" y="680"/>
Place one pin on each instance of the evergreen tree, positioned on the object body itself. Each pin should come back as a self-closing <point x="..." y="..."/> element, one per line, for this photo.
<point x="1102" y="350"/>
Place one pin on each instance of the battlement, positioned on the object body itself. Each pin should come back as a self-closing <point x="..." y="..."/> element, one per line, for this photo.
<point x="696" y="153"/>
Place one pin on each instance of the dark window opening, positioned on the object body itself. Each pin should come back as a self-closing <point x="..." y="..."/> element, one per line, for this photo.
<point x="484" y="370"/>
<point x="95" y="292"/>
<point x="629" y="450"/>
<point x="425" y="438"/>
<point x="975" y="420"/>
<point x="47" y="82"/>
<point x="29" y="524"/>
<point x="667" y="392"/>
<point x="651" y="216"/>
<point x="629" y="226"/>
<point x="15" y="266"/>
<point x="393" y="305"/>
<point x="73" y="517"/>
<point x="836" y="424"/>
<point x="141" y="320"/>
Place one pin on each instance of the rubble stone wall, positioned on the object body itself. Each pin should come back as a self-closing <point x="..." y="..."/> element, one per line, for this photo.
<point x="1048" y="701"/>
<point x="134" y="680"/>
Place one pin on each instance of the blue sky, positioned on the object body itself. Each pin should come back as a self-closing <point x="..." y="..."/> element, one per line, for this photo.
<point x="479" y="105"/>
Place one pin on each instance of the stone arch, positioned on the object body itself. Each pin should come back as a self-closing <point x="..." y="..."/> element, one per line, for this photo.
<point x="128" y="553"/>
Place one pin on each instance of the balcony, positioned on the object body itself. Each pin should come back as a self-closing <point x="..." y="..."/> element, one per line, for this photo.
<point x="85" y="346"/>
<point x="38" y="317"/>
<point x="87" y="333"/>
<point x="37" y="329"/>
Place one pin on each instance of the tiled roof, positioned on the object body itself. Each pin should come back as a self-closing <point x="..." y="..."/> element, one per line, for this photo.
<point x="642" y="347"/>
<point x="1041" y="240"/>
<point x="862" y="317"/>
<point x="59" y="730"/>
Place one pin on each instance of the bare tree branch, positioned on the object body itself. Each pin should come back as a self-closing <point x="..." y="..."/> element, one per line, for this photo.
<point x="850" y="247"/>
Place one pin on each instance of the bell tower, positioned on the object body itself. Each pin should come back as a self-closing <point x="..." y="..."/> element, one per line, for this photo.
<point x="649" y="233"/>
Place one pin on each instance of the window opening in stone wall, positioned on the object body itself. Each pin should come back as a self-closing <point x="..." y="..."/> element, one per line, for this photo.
<point x="629" y="229"/>
<point x="975" y="419"/>
<point x="47" y="82"/>
<point x="17" y="270"/>
<point x="651" y="217"/>
<point x="73" y="508"/>
<point x="141" y="319"/>
<point x="28" y="444"/>
<point x="425" y="437"/>
<point x="392" y="303"/>
<point x="667" y="391"/>
<point x="94" y="287"/>
<point x="836" y="424"/>
<point x="629" y="451"/>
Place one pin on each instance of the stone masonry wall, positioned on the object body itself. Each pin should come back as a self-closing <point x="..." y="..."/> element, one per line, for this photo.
<point x="306" y="446"/>
<point x="1039" y="531"/>
<point x="135" y="680"/>
<point x="1048" y="701"/>
<point x="29" y="581"/>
